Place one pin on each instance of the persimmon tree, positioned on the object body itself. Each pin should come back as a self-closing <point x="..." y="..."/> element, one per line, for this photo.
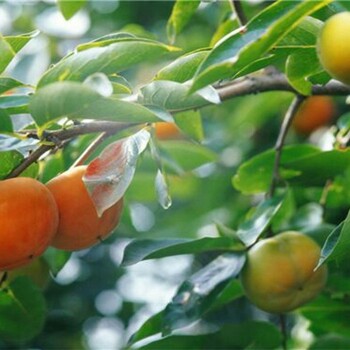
<point x="235" y="174"/>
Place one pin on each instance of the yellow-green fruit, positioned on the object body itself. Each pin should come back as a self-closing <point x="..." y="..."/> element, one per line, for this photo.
<point x="279" y="272"/>
<point x="334" y="46"/>
<point x="38" y="271"/>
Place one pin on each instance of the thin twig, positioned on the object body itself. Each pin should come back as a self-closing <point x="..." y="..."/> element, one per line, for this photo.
<point x="58" y="138"/>
<point x="82" y="158"/>
<point x="241" y="17"/>
<point x="287" y="121"/>
<point x="32" y="158"/>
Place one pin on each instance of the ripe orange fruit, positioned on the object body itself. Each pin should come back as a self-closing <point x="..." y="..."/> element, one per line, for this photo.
<point x="333" y="46"/>
<point x="316" y="111"/>
<point x="29" y="220"/>
<point x="166" y="130"/>
<point x="79" y="225"/>
<point x="279" y="272"/>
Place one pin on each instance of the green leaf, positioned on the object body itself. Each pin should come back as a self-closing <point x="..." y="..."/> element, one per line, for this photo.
<point x="319" y="233"/>
<point x="245" y="335"/>
<point x="181" y="14"/>
<point x="22" y="311"/>
<point x="5" y="122"/>
<point x="69" y="8"/>
<point x="10" y="143"/>
<point x="232" y="290"/>
<point x="302" y="36"/>
<point x="183" y="68"/>
<point x="174" y="96"/>
<point x="250" y="230"/>
<point x="199" y="292"/>
<point x="186" y="155"/>
<point x="152" y="326"/>
<point x="190" y="122"/>
<point x="14" y="104"/>
<point x="144" y="249"/>
<point x="8" y="161"/>
<point x="300" y="165"/>
<point x="56" y="259"/>
<point x="330" y="341"/>
<point x="300" y="66"/>
<point x="242" y="47"/>
<point x="255" y="175"/>
<point x="344" y="121"/>
<point x="76" y="100"/>
<point x="7" y="84"/>
<point x="10" y="45"/>
<point x="19" y="41"/>
<point x="337" y="244"/>
<point x="327" y="315"/>
<point x="109" y="59"/>
<point x="7" y="54"/>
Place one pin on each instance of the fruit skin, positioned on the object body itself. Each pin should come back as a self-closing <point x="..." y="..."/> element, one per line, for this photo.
<point x="278" y="275"/>
<point x="79" y="225"/>
<point x="315" y="112"/>
<point x="333" y="46"/>
<point x="167" y="131"/>
<point x="29" y="221"/>
<point x="38" y="271"/>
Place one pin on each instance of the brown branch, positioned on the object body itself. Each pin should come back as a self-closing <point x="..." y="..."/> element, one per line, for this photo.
<point x="275" y="82"/>
<point x="55" y="139"/>
<point x="239" y="87"/>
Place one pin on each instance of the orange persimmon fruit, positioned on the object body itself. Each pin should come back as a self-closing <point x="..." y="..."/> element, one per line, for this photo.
<point x="167" y="131"/>
<point x="79" y="225"/>
<point x="315" y="111"/>
<point x="279" y="274"/>
<point x="29" y="221"/>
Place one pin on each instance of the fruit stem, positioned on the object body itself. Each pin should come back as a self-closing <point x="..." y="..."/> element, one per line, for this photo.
<point x="3" y="278"/>
<point x="283" y="325"/>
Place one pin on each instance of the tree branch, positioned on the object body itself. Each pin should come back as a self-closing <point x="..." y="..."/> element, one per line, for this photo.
<point x="56" y="138"/>
<point x="239" y="87"/>
<point x="275" y="82"/>
<point x="287" y="121"/>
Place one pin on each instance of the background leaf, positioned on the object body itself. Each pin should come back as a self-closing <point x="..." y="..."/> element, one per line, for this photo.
<point x="142" y="249"/>
<point x="300" y="165"/>
<point x="195" y="296"/>
<point x="182" y="12"/>
<point x="70" y="8"/>
<point x="22" y="310"/>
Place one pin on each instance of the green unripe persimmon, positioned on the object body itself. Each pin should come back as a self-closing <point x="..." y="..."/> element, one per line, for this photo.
<point x="333" y="46"/>
<point x="279" y="274"/>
